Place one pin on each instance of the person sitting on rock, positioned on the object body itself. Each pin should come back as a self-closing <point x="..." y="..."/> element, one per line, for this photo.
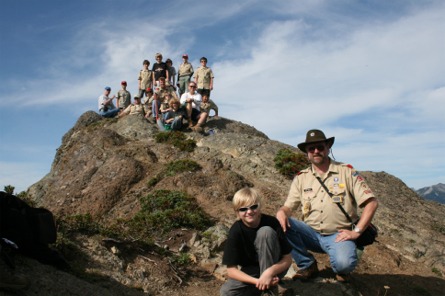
<point x="105" y="104"/>
<point x="172" y="117"/>
<point x="191" y="102"/>
<point x="207" y="105"/>
<point x="134" y="109"/>
<point x="147" y="101"/>
<point x="164" y="89"/>
<point x="155" y="108"/>
<point x="256" y="243"/>
<point x="326" y="190"/>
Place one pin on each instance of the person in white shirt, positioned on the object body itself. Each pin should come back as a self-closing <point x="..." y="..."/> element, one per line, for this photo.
<point x="191" y="102"/>
<point x="105" y="104"/>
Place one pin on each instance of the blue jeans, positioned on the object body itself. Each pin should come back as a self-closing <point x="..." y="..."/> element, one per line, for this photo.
<point x="109" y="113"/>
<point x="303" y="238"/>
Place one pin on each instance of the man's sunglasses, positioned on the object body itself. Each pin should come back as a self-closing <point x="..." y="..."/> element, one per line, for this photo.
<point x="253" y="208"/>
<point x="318" y="147"/>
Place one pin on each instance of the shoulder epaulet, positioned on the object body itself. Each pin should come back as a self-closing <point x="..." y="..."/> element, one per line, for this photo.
<point x="348" y="165"/>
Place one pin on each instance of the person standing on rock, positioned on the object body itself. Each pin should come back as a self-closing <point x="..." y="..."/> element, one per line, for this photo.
<point x="105" y="104"/>
<point x="185" y="72"/>
<point x="204" y="78"/>
<point x="144" y="79"/>
<point x="160" y="69"/>
<point x="325" y="229"/>
<point x="123" y="97"/>
<point x="257" y="244"/>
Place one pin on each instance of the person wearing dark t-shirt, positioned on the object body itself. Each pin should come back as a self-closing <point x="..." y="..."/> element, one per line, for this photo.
<point x="160" y="69"/>
<point x="257" y="244"/>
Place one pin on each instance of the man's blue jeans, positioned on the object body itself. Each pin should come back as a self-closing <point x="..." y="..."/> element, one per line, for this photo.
<point x="303" y="238"/>
<point x="109" y="113"/>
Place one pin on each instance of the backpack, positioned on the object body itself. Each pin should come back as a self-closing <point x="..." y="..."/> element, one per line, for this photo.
<point x="31" y="229"/>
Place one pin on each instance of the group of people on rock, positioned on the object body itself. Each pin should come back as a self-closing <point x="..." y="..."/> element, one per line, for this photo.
<point x="260" y="248"/>
<point x="166" y="97"/>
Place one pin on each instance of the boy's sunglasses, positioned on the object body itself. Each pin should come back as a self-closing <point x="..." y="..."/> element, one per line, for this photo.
<point x="253" y="208"/>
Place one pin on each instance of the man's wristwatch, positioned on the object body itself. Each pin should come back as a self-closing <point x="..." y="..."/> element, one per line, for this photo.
<point x="358" y="230"/>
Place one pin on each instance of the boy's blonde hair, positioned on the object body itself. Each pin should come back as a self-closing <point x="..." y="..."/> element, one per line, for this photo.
<point x="246" y="197"/>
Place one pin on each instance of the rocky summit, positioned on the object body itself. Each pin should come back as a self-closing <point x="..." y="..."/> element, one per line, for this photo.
<point x="105" y="167"/>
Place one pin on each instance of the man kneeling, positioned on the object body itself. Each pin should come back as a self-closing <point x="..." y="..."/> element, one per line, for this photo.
<point x="257" y="244"/>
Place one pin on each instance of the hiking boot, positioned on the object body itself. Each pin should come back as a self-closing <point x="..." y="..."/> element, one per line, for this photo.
<point x="343" y="278"/>
<point x="305" y="274"/>
<point x="270" y="292"/>
<point x="12" y="282"/>
<point x="283" y="291"/>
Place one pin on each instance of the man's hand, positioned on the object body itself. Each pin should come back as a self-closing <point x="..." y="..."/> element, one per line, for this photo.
<point x="282" y="217"/>
<point x="344" y="235"/>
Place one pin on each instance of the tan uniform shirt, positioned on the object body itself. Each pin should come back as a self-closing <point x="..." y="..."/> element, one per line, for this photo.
<point x="210" y="105"/>
<point x="145" y="78"/>
<point x="124" y="98"/>
<point x="185" y="69"/>
<point x="134" y="109"/>
<point x="319" y="210"/>
<point x="164" y="91"/>
<point x="204" y="75"/>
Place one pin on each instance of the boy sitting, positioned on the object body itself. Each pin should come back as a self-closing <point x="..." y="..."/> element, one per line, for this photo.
<point x="257" y="244"/>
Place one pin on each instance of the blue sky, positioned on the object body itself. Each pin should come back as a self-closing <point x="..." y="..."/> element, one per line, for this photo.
<point x="370" y="73"/>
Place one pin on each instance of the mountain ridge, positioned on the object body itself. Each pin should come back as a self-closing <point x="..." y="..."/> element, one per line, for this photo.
<point x="434" y="193"/>
<point x="104" y="166"/>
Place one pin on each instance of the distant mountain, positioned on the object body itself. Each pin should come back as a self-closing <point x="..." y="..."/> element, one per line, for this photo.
<point x="435" y="193"/>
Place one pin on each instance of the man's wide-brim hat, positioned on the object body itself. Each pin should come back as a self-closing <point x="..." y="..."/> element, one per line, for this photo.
<point x="315" y="136"/>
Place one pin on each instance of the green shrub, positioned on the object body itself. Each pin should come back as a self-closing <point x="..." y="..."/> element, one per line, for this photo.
<point x="165" y="210"/>
<point x="82" y="223"/>
<point x="177" y="139"/>
<point x="9" y="189"/>
<point x="289" y="163"/>
<point x="436" y="271"/>
<point x="183" y="259"/>
<point x="182" y="165"/>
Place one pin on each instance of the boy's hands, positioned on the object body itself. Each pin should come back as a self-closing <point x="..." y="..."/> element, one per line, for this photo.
<point x="267" y="280"/>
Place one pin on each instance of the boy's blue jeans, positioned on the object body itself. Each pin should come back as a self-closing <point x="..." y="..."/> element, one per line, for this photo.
<point x="303" y="238"/>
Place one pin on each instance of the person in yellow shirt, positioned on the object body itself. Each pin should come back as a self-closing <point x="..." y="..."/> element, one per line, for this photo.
<point x="204" y="78"/>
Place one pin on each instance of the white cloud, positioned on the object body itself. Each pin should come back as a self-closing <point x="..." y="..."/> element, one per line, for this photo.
<point x="376" y="84"/>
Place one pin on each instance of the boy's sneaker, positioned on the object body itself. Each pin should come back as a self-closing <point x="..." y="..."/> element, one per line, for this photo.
<point x="305" y="274"/>
<point x="270" y="292"/>
<point x="12" y="282"/>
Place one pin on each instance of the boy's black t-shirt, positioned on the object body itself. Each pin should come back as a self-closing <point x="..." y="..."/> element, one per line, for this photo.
<point x="240" y="249"/>
<point x="160" y="70"/>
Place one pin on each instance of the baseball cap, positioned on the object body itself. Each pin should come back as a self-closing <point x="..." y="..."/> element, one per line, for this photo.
<point x="124" y="82"/>
<point x="185" y="55"/>
<point x="107" y="88"/>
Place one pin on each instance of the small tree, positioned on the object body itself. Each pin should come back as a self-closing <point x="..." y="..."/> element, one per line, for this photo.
<point x="289" y="163"/>
<point x="9" y="189"/>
